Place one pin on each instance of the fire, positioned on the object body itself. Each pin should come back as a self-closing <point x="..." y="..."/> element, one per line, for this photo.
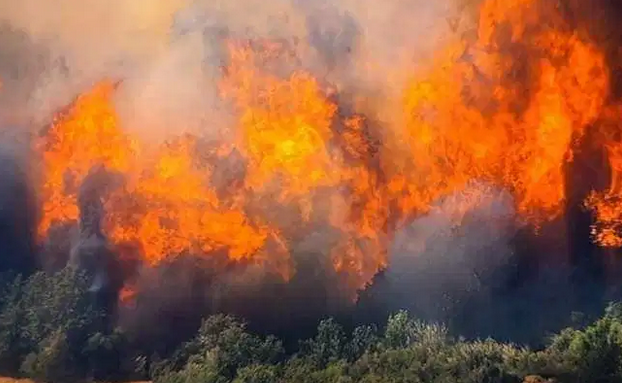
<point x="166" y="206"/>
<point x="86" y="136"/>
<point x="504" y="106"/>
<point x="127" y="295"/>
<point x="486" y="129"/>
<point x="287" y="132"/>
<point x="285" y="126"/>
<point x="607" y="231"/>
<point x="179" y="212"/>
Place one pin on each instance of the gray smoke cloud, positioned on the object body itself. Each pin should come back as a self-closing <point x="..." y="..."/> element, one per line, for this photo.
<point x="168" y="57"/>
<point x="17" y="208"/>
<point x="84" y="42"/>
<point x="452" y="254"/>
<point x="168" y="54"/>
<point x="91" y="250"/>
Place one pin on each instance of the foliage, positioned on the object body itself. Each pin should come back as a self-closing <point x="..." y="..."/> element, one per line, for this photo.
<point x="327" y="346"/>
<point x="411" y="351"/>
<point x="51" y="329"/>
<point x="593" y="354"/>
<point x="221" y="347"/>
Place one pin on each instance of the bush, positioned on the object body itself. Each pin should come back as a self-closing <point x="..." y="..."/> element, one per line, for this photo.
<point x="52" y="361"/>
<point x="221" y="348"/>
<point x="257" y="373"/>
<point x="327" y="346"/>
<point x="364" y="339"/>
<point x="51" y="329"/>
<point x="593" y="354"/>
<point x="407" y="351"/>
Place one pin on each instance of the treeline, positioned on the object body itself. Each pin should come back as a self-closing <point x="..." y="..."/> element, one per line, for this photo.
<point x="52" y="330"/>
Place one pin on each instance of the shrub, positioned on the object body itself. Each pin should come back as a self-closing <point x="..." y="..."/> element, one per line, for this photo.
<point x="51" y="329"/>
<point x="593" y="354"/>
<point x="221" y="348"/>
<point x="328" y="345"/>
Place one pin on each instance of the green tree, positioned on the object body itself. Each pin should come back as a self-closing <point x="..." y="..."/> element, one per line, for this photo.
<point x="51" y="329"/>
<point x="258" y="373"/>
<point x="591" y="354"/>
<point x="221" y="347"/>
<point x="328" y="345"/>
<point x="364" y="339"/>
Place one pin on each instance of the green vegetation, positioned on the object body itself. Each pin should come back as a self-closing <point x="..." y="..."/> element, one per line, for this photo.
<point x="52" y="330"/>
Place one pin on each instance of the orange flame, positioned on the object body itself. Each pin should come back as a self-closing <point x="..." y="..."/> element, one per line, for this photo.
<point x="607" y="231"/>
<point x="285" y="127"/>
<point x="486" y="129"/>
<point x="88" y="135"/>
<point x="166" y="206"/>
<point x="504" y="106"/>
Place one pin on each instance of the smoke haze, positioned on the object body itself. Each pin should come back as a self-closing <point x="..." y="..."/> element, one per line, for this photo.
<point x="169" y="54"/>
<point x="448" y="249"/>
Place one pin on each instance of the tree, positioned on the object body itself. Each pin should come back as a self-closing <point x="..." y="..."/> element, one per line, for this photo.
<point x="51" y="329"/>
<point x="591" y="354"/>
<point x="221" y="348"/>
<point x="328" y="345"/>
<point x="257" y="373"/>
<point x="364" y="339"/>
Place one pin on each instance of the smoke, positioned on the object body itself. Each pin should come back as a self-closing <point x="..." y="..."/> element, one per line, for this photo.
<point x="470" y="264"/>
<point x="169" y="54"/>
<point x="453" y="264"/>
<point x="86" y="42"/>
<point x="454" y="253"/>
<point x="17" y="210"/>
<point x="92" y="251"/>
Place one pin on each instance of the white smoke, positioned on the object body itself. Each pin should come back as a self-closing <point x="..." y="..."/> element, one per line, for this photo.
<point x="452" y="253"/>
<point x="168" y="53"/>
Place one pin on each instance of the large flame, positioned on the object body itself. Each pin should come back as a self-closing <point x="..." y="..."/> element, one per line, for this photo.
<point x="488" y="129"/>
<point x="285" y="126"/>
<point x="504" y="105"/>
<point x="166" y="206"/>
<point x="87" y="135"/>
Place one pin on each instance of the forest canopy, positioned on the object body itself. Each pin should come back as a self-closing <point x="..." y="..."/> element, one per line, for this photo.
<point x="52" y="330"/>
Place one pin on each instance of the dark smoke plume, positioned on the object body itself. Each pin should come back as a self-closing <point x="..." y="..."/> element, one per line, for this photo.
<point x="92" y="252"/>
<point x="17" y="212"/>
